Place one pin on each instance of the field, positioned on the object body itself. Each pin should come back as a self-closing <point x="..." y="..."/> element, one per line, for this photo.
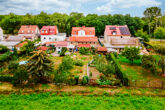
<point x="47" y="101"/>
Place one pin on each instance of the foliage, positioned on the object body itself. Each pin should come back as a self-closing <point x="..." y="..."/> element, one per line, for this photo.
<point x="20" y="75"/>
<point x="67" y="63"/>
<point x="40" y="101"/>
<point x="159" y="49"/>
<point x="131" y="53"/>
<point x="39" y="66"/>
<point x="159" y="33"/>
<point x="143" y="35"/>
<point x="64" y="49"/>
<point x="5" y="57"/>
<point x="62" y="77"/>
<point x="93" y="50"/>
<point x="149" y="62"/>
<point x="162" y="64"/>
<point x="78" y="62"/>
<point x="6" y="78"/>
<point x="85" y="80"/>
<point x="108" y="56"/>
<point x="76" y="78"/>
<point x="106" y="82"/>
<point x="84" y="50"/>
<point x="13" y="65"/>
<point x="28" y="48"/>
<point x="3" y="49"/>
<point x="119" y="71"/>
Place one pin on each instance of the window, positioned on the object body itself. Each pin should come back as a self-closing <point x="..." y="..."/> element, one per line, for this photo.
<point x="74" y="32"/>
<point x="46" y="31"/>
<point x="43" y="31"/>
<point x="32" y="31"/>
<point x="28" y="31"/>
<point x="114" y="33"/>
<point x="22" y="31"/>
<point x="44" y="37"/>
<point x="121" y="36"/>
<point x="49" y="38"/>
<point x="90" y="32"/>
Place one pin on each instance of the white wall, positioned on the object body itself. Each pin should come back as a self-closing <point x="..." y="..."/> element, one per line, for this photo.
<point x="49" y="38"/>
<point x="1" y="34"/>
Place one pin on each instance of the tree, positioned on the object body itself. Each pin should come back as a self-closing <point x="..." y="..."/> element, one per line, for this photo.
<point x="143" y="35"/>
<point x="162" y="64"/>
<point x="39" y="66"/>
<point x="27" y="48"/>
<point x="62" y="53"/>
<point x="159" y="33"/>
<point x="149" y="62"/>
<point x="151" y="14"/>
<point x="131" y="53"/>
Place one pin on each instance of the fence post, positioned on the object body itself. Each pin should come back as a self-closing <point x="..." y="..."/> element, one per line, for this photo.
<point x="162" y="84"/>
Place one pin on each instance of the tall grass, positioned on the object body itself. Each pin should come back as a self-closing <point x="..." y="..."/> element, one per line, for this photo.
<point x="47" y="101"/>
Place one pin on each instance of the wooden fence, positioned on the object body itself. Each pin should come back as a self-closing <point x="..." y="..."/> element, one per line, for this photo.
<point x="157" y="84"/>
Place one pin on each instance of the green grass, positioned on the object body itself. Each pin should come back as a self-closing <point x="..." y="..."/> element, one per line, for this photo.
<point x="124" y="60"/>
<point x="47" y="101"/>
<point x="132" y="74"/>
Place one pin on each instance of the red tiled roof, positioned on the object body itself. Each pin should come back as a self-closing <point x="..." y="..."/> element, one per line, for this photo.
<point x="49" y="30"/>
<point x="58" y="43"/>
<point x="84" y="45"/>
<point x="83" y="39"/>
<point x="120" y="30"/>
<point x="42" y="48"/>
<point x="21" y="44"/>
<point x="102" y="49"/>
<point x="27" y="29"/>
<point x="88" y="30"/>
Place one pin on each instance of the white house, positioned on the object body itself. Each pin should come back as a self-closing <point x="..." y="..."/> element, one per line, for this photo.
<point x="1" y="34"/>
<point x="51" y="34"/>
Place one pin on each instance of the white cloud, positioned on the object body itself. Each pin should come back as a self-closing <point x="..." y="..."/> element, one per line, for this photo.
<point x="113" y="4"/>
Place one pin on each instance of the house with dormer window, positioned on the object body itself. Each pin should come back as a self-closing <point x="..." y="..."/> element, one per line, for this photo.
<point x="83" y="37"/>
<point x="118" y="37"/>
<point x="83" y="31"/>
<point x="51" y="34"/>
<point x="30" y="32"/>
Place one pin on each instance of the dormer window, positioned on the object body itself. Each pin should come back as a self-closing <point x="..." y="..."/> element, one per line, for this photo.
<point x="46" y="31"/>
<point x="22" y="31"/>
<point x="28" y="31"/>
<point x="90" y="32"/>
<point x="32" y="31"/>
<point x="43" y="31"/>
<point x="74" y="32"/>
<point x="114" y="33"/>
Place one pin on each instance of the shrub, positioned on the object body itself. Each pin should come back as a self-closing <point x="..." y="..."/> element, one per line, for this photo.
<point x="84" y="50"/>
<point x="143" y="35"/>
<point x="61" y="77"/>
<point x="78" y="63"/>
<point x="149" y="62"/>
<point x="20" y="75"/>
<point x="5" y="57"/>
<point x="131" y="53"/>
<point x="119" y="72"/>
<point x="159" y="33"/>
<point x="106" y="82"/>
<point x="13" y="65"/>
<point x="3" y="49"/>
<point x="6" y="78"/>
<point x="62" y="53"/>
<point x="159" y="49"/>
<point x="67" y="63"/>
<point x="76" y="78"/>
<point x="85" y="80"/>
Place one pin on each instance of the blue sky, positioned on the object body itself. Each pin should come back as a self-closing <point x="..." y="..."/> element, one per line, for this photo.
<point x="133" y="7"/>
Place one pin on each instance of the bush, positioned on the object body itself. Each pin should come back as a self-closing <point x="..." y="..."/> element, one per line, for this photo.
<point x="6" y="78"/>
<point x="131" y="53"/>
<point x="67" y="63"/>
<point x="3" y="49"/>
<point x="20" y="75"/>
<point x="5" y="57"/>
<point x="159" y="49"/>
<point x="149" y="62"/>
<point x="78" y="63"/>
<point x="63" y="51"/>
<point x="62" y="77"/>
<point x="85" y="80"/>
<point x="84" y="50"/>
<point x="106" y="82"/>
<point x="76" y="78"/>
<point x="13" y="65"/>
<point x="119" y="72"/>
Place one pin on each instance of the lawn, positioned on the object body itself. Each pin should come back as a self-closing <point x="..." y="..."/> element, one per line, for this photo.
<point x="65" y="101"/>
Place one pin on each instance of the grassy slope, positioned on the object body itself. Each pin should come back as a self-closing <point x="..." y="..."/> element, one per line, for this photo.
<point x="45" y="101"/>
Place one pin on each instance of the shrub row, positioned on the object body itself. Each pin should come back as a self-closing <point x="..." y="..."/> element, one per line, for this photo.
<point x="119" y="71"/>
<point x="6" y="78"/>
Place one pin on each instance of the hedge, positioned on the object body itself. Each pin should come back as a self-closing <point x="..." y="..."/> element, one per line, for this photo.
<point x="119" y="71"/>
<point x="6" y="78"/>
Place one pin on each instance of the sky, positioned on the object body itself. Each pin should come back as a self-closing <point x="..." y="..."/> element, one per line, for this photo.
<point x="100" y="7"/>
